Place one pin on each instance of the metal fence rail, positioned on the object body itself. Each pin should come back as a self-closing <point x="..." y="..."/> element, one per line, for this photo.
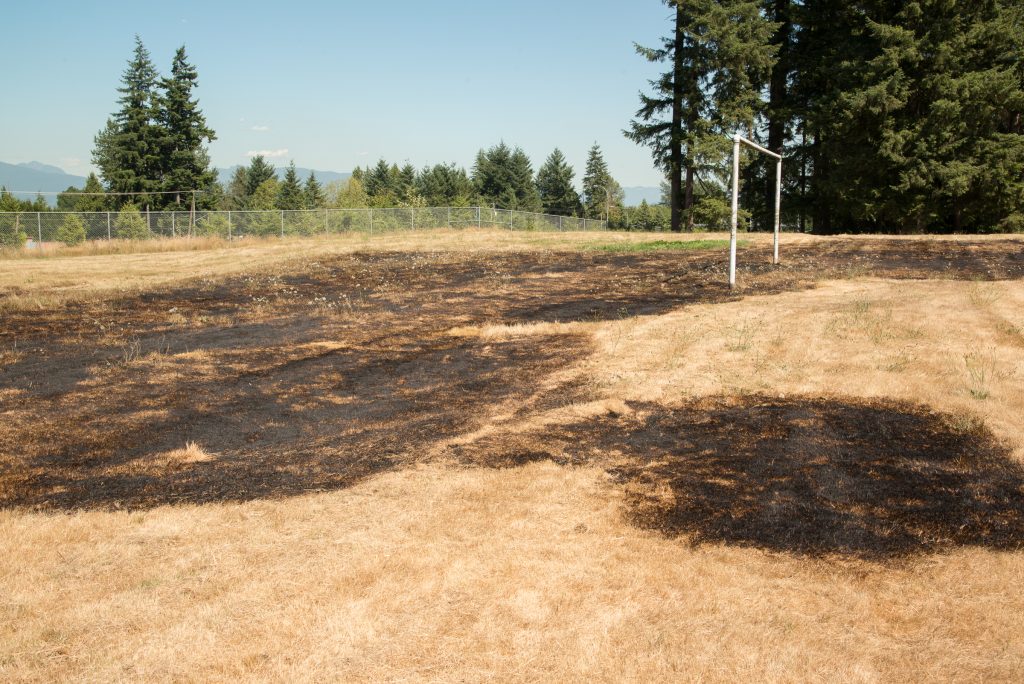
<point x="45" y="226"/>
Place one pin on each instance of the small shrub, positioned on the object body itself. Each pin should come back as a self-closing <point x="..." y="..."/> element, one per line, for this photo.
<point x="71" y="231"/>
<point x="130" y="225"/>
<point x="11" y="234"/>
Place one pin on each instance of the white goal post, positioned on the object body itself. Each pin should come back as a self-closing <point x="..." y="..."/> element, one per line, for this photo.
<point x="736" y="141"/>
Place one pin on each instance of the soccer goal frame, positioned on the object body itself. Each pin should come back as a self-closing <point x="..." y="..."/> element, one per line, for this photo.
<point x="737" y="141"/>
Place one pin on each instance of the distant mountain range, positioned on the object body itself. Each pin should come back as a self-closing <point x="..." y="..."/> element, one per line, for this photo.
<point x="637" y="194"/>
<point x="31" y="177"/>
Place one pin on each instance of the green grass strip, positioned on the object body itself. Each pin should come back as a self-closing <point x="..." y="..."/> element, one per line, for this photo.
<point x="657" y="245"/>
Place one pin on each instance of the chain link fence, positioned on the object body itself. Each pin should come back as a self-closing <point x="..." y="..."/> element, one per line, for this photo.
<point x="45" y="226"/>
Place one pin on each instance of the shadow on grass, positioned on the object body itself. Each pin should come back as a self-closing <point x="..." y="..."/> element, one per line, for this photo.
<point x="811" y="477"/>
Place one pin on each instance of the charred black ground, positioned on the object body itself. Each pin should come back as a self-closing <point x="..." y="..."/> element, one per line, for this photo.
<point x="322" y="373"/>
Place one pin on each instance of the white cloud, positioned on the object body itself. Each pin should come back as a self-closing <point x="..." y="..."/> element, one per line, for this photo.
<point x="259" y="128"/>
<point x="268" y="153"/>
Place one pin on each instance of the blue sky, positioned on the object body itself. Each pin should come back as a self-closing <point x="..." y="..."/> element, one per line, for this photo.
<point x="338" y="84"/>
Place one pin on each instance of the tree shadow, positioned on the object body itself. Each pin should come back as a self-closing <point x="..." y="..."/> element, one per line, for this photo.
<point x="811" y="477"/>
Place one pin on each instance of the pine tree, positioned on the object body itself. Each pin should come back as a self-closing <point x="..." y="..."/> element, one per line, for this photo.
<point x="128" y="150"/>
<point x="130" y="225"/>
<point x="313" y="193"/>
<point x="406" y="187"/>
<point x="71" y="230"/>
<point x="290" y="195"/>
<point x="445" y="185"/>
<point x="555" y="186"/>
<point x="492" y="175"/>
<point x="238" y="190"/>
<point x="378" y="180"/>
<point x="720" y="54"/>
<point x="258" y="173"/>
<point x="185" y="162"/>
<point x="596" y="184"/>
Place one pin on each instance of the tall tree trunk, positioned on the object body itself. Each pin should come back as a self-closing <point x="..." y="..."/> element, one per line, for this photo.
<point x="676" y="134"/>
<point x="822" y="208"/>
<point x="688" y="200"/>
<point x="777" y="96"/>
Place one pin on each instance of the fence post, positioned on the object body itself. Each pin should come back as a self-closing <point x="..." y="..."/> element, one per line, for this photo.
<point x="229" y="224"/>
<point x="108" y="225"/>
<point x="174" y="230"/>
<point x="282" y="223"/>
<point x="326" y="227"/>
<point x="39" y="226"/>
<point x="412" y="217"/>
<point x="478" y="218"/>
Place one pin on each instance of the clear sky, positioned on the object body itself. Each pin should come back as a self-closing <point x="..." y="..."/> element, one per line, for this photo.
<point x="338" y="84"/>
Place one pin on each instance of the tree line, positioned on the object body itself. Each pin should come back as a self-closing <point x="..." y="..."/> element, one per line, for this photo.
<point x="502" y="177"/>
<point x="891" y="116"/>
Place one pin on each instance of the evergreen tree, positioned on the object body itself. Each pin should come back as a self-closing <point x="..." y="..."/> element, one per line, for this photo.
<point x="185" y="162"/>
<point x="130" y="225"/>
<point x="290" y="195"/>
<point x="258" y="173"/>
<point x="504" y="178"/>
<point x="68" y="200"/>
<point x="600" y="191"/>
<point x="406" y="186"/>
<point x="492" y="174"/>
<point x="71" y="230"/>
<point x="555" y="186"/>
<point x="378" y="180"/>
<point x="445" y="185"/>
<point x="313" y="193"/>
<point x="720" y="56"/>
<point x="238" y="190"/>
<point x="523" y="196"/>
<point x="907" y="116"/>
<point x="128" y="150"/>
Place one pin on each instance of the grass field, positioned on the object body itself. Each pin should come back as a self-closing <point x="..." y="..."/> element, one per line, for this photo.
<point x="476" y="455"/>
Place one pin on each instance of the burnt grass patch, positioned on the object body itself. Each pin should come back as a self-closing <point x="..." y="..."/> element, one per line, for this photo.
<point x="322" y="372"/>
<point x="807" y="476"/>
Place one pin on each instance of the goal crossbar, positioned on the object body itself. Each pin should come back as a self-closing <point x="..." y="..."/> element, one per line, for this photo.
<point x="736" y="142"/>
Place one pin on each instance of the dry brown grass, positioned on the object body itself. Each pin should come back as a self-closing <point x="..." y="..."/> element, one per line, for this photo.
<point x="508" y="446"/>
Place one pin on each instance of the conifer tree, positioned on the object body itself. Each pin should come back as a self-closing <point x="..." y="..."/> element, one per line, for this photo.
<point x="313" y="193"/>
<point x="71" y="230"/>
<point x="290" y="195"/>
<point x="445" y="185"/>
<point x="378" y="179"/>
<point x="128" y="150"/>
<point x="555" y="186"/>
<point x="720" y="56"/>
<point x="596" y="184"/>
<point x="406" y="182"/>
<point x="184" y="159"/>
<point x="130" y="225"/>
<point x="238" y="190"/>
<point x="258" y="173"/>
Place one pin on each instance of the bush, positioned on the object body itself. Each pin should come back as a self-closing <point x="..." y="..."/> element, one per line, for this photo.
<point x="71" y="231"/>
<point x="130" y="225"/>
<point x="11" y="234"/>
